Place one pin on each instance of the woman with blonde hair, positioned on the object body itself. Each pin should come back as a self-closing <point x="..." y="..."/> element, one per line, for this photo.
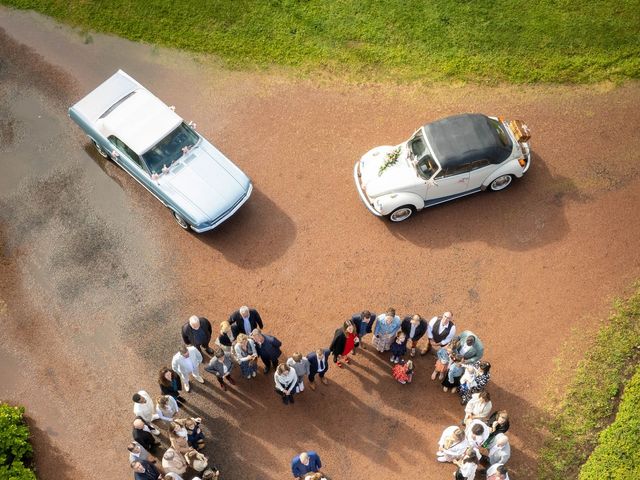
<point x="247" y="355"/>
<point x="166" y="407"/>
<point x="178" y="437"/>
<point x="498" y="423"/>
<point x="452" y="444"/>
<point x="315" y="476"/>
<point x="226" y="338"/>
<point x="286" y="380"/>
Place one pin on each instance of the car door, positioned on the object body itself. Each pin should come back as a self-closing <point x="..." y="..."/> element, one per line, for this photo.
<point x="449" y="183"/>
<point x="132" y="163"/>
<point x="480" y="170"/>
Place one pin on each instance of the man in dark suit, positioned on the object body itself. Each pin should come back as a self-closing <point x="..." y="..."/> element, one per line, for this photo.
<point x="414" y="327"/>
<point x="144" y="470"/>
<point x="142" y="434"/>
<point x="364" y="324"/>
<point x="318" y="365"/>
<point x="268" y="348"/>
<point x="197" y="332"/>
<point x="245" y="320"/>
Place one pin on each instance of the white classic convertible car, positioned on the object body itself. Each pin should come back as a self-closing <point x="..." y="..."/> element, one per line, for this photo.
<point x="136" y="130"/>
<point x="443" y="160"/>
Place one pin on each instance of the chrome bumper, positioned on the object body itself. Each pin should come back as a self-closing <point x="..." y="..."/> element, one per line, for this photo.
<point x="226" y="215"/>
<point x="363" y="196"/>
<point x="527" y="152"/>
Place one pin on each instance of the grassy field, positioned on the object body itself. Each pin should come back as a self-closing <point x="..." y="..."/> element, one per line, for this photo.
<point x="404" y="40"/>
<point x="591" y="399"/>
<point x="617" y="456"/>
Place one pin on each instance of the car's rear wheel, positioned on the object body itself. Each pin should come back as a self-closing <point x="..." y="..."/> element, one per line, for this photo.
<point x="181" y="221"/>
<point x="100" y="150"/>
<point x="400" y="214"/>
<point x="500" y="183"/>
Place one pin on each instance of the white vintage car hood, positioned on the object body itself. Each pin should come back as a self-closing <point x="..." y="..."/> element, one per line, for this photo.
<point x="202" y="185"/>
<point x="394" y="178"/>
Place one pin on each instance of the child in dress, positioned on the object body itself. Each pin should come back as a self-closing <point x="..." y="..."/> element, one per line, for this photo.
<point x="399" y="347"/>
<point x="444" y="357"/>
<point x="403" y="372"/>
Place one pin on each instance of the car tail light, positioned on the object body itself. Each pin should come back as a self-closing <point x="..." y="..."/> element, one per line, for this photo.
<point x="522" y="161"/>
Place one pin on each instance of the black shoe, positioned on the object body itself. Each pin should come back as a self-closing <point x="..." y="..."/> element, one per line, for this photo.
<point x="285" y="400"/>
<point x="292" y="400"/>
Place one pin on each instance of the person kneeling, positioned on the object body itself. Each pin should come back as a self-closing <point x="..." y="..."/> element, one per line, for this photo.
<point x="286" y="380"/>
<point x="403" y="372"/>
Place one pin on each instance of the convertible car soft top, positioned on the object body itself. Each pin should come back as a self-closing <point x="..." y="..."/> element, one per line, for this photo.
<point x="458" y="139"/>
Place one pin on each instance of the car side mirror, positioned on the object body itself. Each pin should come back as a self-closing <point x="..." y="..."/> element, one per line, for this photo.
<point x="192" y="124"/>
<point x="114" y="154"/>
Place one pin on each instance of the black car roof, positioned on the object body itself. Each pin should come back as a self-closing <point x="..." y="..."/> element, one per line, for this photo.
<point x="465" y="138"/>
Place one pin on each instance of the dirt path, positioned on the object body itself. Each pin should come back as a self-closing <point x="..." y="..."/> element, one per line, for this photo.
<point x="96" y="277"/>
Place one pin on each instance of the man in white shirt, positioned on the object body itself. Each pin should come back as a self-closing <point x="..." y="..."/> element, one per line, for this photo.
<point x="186" y="363"/>
<point x="143" y="407"/>
<point x="476" y="433"/>
<point x="440" y="332"/>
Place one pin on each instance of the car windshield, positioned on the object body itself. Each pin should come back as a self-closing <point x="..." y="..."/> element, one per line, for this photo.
<point x="417" y="145"/>
<point x="427" y="167"/>
<point x="170" y="148"/>
<point x="500" y="133"/>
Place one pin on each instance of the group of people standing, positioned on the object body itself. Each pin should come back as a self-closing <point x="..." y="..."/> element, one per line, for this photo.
<point x="241" y="341"/>
<point x="479" y="445"/>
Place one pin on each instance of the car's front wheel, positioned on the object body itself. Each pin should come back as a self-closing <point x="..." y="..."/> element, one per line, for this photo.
<point x="400" y="214"/>
<point x="100" y="150"/>
<point x="500" y="183"/>
<point x="181" y="221"/>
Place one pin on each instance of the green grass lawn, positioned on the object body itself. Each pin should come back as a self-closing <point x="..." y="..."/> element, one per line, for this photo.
<point x="406" y="40"/>
<point x="591" y="397"/>
<point x="617" y="456"/>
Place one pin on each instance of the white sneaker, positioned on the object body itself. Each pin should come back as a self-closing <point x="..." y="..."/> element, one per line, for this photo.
<point x="199" y="379"/>
<point x="253" y="374"/>
<point x="187" y="387"/>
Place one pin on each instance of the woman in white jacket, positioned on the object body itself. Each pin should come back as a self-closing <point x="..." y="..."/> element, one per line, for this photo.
<point x="452" y="444"/>
<point x="286" y="380"/>
<point x="166" y="407"/>
<point x="478" y="408"/>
